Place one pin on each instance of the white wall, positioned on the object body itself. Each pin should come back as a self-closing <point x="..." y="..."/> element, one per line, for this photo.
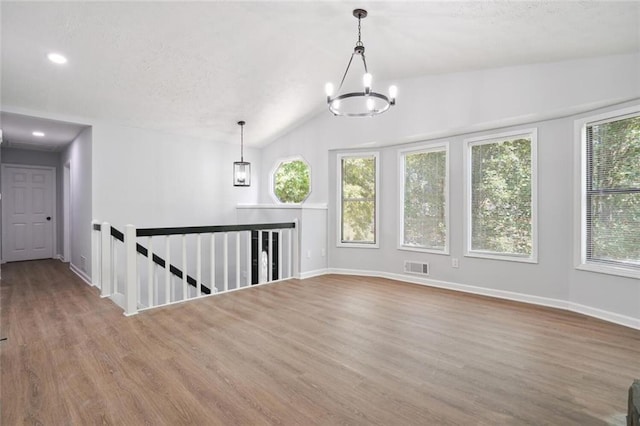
<point x="78" y="154"/>
<point x="452" y="107"/>
<point x="154" y="179"/>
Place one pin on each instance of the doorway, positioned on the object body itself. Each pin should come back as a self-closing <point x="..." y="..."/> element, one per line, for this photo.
<point x="28" y="220"/>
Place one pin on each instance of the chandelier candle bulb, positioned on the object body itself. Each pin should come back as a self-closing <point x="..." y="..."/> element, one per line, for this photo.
<point x="366" y="80"/>
<point x="328" y="88"/>
<point x="393" y="92"/>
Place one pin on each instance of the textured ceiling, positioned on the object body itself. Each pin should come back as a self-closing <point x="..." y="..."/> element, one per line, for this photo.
<point x="196" y="68"/>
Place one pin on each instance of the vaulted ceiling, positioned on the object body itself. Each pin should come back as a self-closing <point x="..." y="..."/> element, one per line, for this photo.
<point x="196" y="68"/>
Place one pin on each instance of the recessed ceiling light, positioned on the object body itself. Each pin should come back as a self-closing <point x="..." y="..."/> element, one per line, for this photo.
<point x="57" y="58"/>
<point x="38" y="134"/>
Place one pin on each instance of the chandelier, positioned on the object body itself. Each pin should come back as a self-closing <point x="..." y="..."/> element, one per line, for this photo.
<point x="241" y="169"/>
<point x="359" y="104"/>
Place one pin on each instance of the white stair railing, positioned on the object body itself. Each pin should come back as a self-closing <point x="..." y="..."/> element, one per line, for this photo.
<point x="137" y="270"/>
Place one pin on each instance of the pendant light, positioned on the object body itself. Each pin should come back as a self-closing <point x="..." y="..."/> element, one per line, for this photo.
<point x="359" y="104"/>
<point x="241" y="169"/>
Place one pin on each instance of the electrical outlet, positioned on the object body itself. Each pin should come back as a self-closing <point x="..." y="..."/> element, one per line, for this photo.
<point x="308" y="254"/>
<point x="455" y="262"/>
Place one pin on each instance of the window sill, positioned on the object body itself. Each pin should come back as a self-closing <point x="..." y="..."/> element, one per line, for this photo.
<point x="423" y="250"/>
<point x="508" y="258"/>
<point x="358" y="245"/>
<point x="609" y="270"/>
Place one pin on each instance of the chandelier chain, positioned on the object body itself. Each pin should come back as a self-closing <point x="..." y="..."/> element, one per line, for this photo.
<point x="359" y="43"/>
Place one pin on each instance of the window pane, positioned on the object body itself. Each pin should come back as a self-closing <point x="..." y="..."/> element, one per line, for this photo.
<point x="425" y="183"/>
<point x="615" y="228"/>
<point x="616" y="154"/>
<point x="501" y="210"/>
<point x="358" y="199"/>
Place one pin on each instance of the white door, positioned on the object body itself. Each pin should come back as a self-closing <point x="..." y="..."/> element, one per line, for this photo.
<point x="27" y="213"/>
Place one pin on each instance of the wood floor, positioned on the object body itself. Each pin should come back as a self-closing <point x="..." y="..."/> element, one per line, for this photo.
<point x="332" y="350"/>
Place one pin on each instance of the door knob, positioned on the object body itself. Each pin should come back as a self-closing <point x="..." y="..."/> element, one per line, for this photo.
<point x="48" y="217"/>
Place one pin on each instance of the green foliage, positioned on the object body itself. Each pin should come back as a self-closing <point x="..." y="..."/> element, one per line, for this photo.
<point x="501" y="197"/>
<point x="292" y="182"/>
<point x="424" y="199"/>
<point x="614" y="191"/>
<point x="358" y="199"/>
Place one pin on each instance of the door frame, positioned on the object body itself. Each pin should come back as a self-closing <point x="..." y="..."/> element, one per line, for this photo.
<point x="54" y="213"/>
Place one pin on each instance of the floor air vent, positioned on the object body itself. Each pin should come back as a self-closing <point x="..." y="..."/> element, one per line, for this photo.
<point x="416" y="268"/>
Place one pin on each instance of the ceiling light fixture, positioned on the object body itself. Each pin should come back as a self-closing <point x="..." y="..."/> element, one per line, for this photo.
<point x="38" y="134"/>
<point x="359" y="104"/>
<point x="241" y="169"/>
<point x="57" y="58"/>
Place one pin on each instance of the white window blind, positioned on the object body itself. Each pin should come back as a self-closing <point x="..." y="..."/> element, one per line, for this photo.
<point x="612" y="216"/>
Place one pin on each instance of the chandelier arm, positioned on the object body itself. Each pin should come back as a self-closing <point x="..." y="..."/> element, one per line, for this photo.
<point x="345" y="73"/>
<point x="365" y="63"/>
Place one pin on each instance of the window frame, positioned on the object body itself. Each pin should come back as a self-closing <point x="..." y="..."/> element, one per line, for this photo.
<point x="376" y="243"/>
<point x="532" y="134"/>
<point x="580" y="191"/>
<point x="272" y="179"/>
<point x="425" y="148"/>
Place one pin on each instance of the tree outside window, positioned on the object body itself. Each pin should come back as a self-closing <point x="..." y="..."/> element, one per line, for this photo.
<point x="501" y="196"/>
<point x="292" y="181"/>
<point x="358" y="199"/>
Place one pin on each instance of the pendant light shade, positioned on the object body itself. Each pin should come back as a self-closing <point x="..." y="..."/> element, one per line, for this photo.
<point x="241" y="169"/>
<point x="366" y="103"/>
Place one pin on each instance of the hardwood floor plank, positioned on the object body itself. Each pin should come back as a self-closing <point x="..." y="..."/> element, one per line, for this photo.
<point x="329" y="350"/>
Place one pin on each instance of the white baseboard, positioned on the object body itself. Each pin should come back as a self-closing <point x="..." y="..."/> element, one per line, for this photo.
<point x="500" y="294"/>
<point x="311" y="274"/>
<point x="80" y="273"/>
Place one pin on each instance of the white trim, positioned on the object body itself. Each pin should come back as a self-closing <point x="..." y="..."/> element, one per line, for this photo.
<point x="612" y="317"/>
<point x="54" y="213"/>
<point x="311" y="274"/>
<point x="60" y="258"/>
<point x="532" y="135"/>
<point x="609" y="270"/>
<point x="426" y="148"/>
<point x="272" y="177"/>
<point x="80" y="273"/>
<point x="580" y="193"/>
<point x="318" y="206"/>
<point x="358" y="244"/>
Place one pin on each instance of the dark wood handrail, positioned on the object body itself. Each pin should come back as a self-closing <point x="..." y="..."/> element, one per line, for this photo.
<point x="150" y="232"/>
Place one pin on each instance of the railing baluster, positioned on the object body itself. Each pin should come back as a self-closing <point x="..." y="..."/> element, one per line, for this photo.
<point x="226" y="262"/>
<point x="156" y="288"/>
<point x="167" y="272"/>
<point x="279" y="233"/>
<point x="237" y="259"/>
<point x="290" y="260"/>
<point x="248" y="258"/>
<point x="213" y="264"/>
<point x="105" y="280"/>
<point x="260" y="276"/>
<point x="198" y="265"/>
<point x="150" y="271"/>
<point x="270" y="257"/>
<point x="114" y="264"/>
<point x="184" y="267"/>
<point x="131" y="266"/>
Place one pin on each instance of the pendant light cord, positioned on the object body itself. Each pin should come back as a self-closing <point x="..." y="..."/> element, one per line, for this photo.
<point x="242" y="143"/>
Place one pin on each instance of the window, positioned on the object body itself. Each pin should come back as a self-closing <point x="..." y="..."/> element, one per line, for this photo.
<point x="424" y="199"/>
<point x="358" y="200"/>
<point x="611" y="192"/>
<point x="501" y="196"/>
<point x="292" y="181"/>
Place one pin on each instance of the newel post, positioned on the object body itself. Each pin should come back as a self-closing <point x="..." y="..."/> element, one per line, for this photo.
<point x="130" y="286"/>
<point x="96" y="258"/>
<point x="296" y="249"/>
<point x="105" y="264"/>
